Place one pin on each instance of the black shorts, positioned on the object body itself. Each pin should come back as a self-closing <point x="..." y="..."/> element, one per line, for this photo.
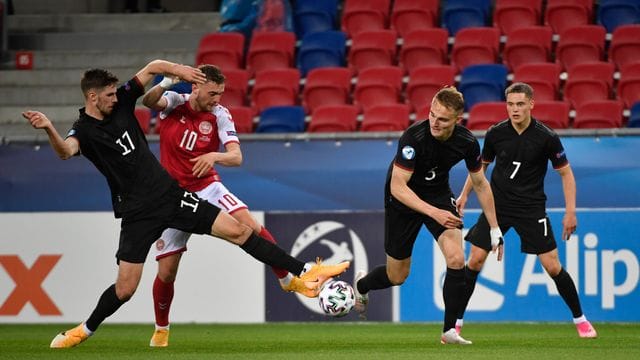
<point x="536" y="235"/>
<point x="178" y="208"/>
<point x="402" y="225"/>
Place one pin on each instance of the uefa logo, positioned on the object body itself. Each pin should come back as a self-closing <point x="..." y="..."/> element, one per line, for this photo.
<point x="321" y="234"/>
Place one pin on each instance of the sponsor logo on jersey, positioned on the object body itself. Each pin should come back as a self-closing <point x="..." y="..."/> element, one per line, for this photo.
<point x="408" y="152"/>
<point x="231" y="133"/>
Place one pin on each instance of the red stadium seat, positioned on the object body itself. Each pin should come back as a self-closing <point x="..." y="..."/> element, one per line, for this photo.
<point x="483" y="115"/>
<point x="563" y="14"/>
<point x="513" y="14"/>
<point x="390" y="117"/>
<point x="629" y="85"/>
<point x="580" y="44"/>
<point x="379" y="85"/>
<point x="363" y="15"/>
<point x="409" y="15"/>
<point x="222" y="49"/>
<point x="424" y="83"/>
<point x="544" y="78"/>
<point x="235" y="89"/>
<point x="554" y="114"/>
<point x="326" y="86"/>
<point x="625" y="47"/>
<point x="372" y="48"/>
<point x="424" y="47"/>
<point x="475" y="45"/>
<point x="588" y="82"/>
<point x="598" y="115"/>
<point x="270" y="50"/>
<point x="242" y="118"/>
<point x="527" y="45"/>
<point x="278" y="87"/>
<point x="334" y="118"/>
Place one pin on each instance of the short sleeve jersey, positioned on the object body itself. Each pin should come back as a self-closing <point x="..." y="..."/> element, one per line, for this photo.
<point x="186" y="134"/>
<point x="431" y="159"/>
<point x="117" y="146"/>
<point x="517" y="179"/>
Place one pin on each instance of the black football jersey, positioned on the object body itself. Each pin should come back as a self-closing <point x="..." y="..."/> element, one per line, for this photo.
<point x="118" y="148"/>
<point x="517" y="179"/>
<point x="431" y="159"/>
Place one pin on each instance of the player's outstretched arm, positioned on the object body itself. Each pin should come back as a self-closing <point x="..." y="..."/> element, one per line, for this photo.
<point x="184" y="72"/>
<point x="64" y="148"/>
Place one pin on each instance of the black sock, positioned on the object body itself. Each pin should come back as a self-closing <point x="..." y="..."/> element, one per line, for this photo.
<point x="567" y="290"/>
<point x="271" y="254"/>
<point x="107" y="305"/>
<point x="376" y="279"/>
<point x="470" y="278"/>
<point x="452" y="292"/>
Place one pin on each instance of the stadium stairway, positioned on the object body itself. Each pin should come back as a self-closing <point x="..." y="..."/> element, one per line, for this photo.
<point x="64" y="45"/>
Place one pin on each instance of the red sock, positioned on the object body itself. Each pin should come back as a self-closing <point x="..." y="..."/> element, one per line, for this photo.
<point x="280" y="273"/>
<point x="162" y="297"/>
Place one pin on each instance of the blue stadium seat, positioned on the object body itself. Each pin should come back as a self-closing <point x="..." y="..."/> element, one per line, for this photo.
<point x="482" y="83"/>
<point x="314" y="16"/>
<point x="634" y="118"/>
<point x="322" y="49"/>
<point x="613" y="13"/>
<point x="458" y="14"/>
<point x="281" y="119"/>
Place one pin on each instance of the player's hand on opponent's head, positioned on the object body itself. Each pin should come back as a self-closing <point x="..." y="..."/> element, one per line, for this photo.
<point x="37" y="119"/>
<point x="497" y="241"/>
<point x="190" y="74"/>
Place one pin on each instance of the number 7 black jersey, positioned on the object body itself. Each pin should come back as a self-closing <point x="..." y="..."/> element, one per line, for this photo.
<point x="521" y="164"/>
<point x="118" y="148"/>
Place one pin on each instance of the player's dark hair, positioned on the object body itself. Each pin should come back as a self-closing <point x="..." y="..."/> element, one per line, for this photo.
<point x="96" y="79"/>
<point x="519" y="88"/>
<point x="213" y="73"/>
<point x="450" y="98"/>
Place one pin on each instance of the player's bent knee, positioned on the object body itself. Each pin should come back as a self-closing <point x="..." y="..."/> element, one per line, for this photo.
<point x="398" y="277"/>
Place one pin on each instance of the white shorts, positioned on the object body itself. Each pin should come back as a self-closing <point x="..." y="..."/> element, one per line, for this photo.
<point x="173" y="241"/>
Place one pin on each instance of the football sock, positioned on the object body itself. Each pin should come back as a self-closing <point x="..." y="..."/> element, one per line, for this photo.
<point x="452" y="292"/>
<point x="270" y="254"/>
<point x="376" y="279"/>
<point x="162" y="298"/>
<point x="470" y="278"/>
<point x="579" y="320"/>
<point x="280" y="273"/>
<point x="107" y="305"/>
<point x="567" y="290"/>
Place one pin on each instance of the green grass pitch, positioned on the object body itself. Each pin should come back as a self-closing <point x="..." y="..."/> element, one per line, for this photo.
<point x="302" y="341"/>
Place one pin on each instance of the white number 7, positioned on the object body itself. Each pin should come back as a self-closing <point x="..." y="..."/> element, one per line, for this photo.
<point x="517" y="164"/>
<point x="543" y="221"/>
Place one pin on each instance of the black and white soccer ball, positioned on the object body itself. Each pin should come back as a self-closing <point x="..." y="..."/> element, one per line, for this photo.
<point x="336" y="298"/>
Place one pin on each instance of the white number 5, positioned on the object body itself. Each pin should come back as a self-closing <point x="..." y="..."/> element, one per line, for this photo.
<point x="517" y="164"/>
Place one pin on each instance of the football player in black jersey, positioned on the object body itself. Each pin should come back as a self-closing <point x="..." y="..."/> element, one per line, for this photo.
<point x="143" y="194"/>
<point x="522" y="147"/>
<point x="417" y="193"/>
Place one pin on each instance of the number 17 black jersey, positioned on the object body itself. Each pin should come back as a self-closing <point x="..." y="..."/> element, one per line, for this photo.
<point x="517" y="179"/>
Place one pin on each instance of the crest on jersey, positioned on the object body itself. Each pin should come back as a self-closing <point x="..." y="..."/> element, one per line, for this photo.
<point x="205" y="128"/>
<point x="408" y="152"/>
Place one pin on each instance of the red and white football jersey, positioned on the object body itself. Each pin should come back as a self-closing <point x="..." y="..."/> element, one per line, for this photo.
<point x="186" y="134"/>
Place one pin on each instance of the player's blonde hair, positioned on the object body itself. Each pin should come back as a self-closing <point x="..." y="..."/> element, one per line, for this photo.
<point x="450" y="98"/>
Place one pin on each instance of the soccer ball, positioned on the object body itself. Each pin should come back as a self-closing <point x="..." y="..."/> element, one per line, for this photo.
<point x="336" y="298"/>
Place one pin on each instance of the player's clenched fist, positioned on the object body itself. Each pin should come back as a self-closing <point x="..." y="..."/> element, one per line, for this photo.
<point x="37" y="119"/>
